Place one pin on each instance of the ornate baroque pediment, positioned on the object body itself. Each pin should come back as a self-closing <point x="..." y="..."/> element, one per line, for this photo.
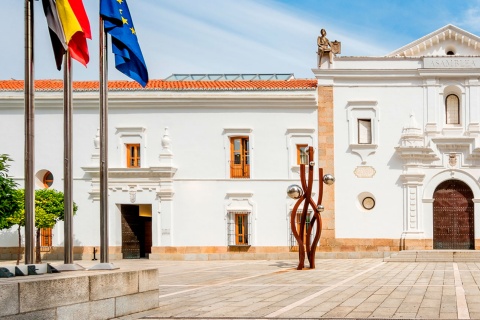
<point x="446" y="41"/>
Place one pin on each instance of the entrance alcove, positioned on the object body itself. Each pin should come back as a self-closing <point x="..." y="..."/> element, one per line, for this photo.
<point x="453" y="216"/>
<point x="464" y="192"/>
<point x="136" y="230"/>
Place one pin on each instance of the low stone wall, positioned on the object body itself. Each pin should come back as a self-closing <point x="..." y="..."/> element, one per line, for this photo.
<point x="98" y="294"/>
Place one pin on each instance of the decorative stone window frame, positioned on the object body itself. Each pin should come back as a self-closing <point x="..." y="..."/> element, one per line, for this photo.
<point x="294" y="137"/>
<point x="360" y="110"/>
<point x="239" y="202"/>
<point x="131" y="135"/>
<point x="453" y="129"/>
<point x="237" y="132"/>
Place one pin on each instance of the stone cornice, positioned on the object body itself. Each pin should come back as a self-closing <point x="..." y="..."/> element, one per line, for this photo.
<point x="133" y="174"/>
<point x="303" y="99"/>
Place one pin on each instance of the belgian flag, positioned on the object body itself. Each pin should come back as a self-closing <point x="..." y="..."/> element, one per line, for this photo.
<point x="56" y="31"/>
<point x="69" y="28"/>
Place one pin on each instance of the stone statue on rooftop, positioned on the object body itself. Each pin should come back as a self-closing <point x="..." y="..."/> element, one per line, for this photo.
<point x="327" y="47"/>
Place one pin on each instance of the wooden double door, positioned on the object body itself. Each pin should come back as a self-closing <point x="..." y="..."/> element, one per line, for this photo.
<point x="136" y="233"/>
<point x="453" y="216"/>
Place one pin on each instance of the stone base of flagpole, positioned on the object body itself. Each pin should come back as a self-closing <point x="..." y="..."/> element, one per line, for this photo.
<point x="69" y="267"/>
<point x="104" y="266"/>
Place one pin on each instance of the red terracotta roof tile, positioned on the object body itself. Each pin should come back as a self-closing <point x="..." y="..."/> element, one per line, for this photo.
<point x="161" y="85"/>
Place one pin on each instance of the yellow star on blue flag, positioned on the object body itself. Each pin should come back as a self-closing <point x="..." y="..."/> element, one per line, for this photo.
<point x="128" y="55"/>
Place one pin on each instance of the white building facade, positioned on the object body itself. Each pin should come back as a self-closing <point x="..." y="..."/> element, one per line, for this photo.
<point x="195" y="167"/>
<point x="406" y="144"/>
<point x="199" y="165"/>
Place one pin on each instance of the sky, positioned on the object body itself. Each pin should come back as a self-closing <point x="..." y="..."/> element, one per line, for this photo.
<point x="240" y="36"/>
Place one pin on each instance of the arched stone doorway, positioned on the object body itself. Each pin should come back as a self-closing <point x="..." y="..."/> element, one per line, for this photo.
<point x="453" y="224"/>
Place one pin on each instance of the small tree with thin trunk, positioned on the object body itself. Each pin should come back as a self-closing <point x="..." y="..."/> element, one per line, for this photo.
<point x="49" y="209"/>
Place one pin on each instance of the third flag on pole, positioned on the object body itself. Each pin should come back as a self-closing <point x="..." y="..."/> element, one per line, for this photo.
<point x="128" y="56"/>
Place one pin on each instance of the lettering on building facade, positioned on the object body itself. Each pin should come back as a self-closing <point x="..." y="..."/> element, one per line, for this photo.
<point x="451" y="63"/>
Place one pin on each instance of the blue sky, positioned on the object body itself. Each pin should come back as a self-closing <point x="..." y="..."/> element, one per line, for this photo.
<point x="241" y="36"/>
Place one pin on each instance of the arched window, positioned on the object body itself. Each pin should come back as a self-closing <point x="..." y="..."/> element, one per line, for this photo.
<point x="452" y="109"/>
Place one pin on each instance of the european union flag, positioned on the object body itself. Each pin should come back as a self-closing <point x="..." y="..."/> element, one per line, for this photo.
<point x="128" y="56"/>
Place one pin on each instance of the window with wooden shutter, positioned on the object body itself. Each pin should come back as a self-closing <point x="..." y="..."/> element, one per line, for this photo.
<point x="46" y="237"/>
<point x="302" y="154"/>
<point x="133" y="155"/>
<point x="239" y="158"/>
<point x="239" y="228"/>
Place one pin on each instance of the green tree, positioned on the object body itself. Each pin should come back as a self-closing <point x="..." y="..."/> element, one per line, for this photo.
<point x="49" y="209"/>
<point x="8" y="200"/>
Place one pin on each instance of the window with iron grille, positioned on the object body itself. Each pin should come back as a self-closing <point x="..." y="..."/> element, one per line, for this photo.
<point x="293" y="241"/>
<point x="239" y="228"/>
<point x="46" y="236"/>
<point x="239" y="157"/>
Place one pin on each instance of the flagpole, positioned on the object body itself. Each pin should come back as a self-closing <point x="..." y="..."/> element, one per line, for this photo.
<point x="104" y="259"/>
<point x="67" y="167"/>
<point x="29" y="135"/>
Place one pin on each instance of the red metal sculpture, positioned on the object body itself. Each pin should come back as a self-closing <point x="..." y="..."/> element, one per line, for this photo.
<point x="304" y="194"/>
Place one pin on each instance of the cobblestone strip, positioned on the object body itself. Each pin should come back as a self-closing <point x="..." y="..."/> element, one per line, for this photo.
<point x="316" y="294"/>
<point x="462" y="307"/>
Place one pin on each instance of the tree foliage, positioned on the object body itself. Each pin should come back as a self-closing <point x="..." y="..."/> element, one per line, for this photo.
<point x="49" y="208"/>
<point x="8" y="197"/>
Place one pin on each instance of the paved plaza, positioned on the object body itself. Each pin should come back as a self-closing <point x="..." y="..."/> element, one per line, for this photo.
<point x="340" y="288"/>
<point x="336" y="289"/>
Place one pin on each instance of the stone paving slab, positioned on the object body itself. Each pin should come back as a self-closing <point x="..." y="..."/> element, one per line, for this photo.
<point x="337" y="288"/>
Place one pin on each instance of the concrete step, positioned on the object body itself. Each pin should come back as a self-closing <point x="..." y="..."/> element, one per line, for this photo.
<point x="435" y="256"/>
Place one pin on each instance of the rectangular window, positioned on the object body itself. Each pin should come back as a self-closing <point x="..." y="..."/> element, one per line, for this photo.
<point x="239" y="158"/>
<point x="302" y="154"/>
<point x="239" y="228"/>
<point x="293" y="241"/>
<point x="133" y="155"/>
<point x="45" y="237"/>
<point x="364" y="131"/>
